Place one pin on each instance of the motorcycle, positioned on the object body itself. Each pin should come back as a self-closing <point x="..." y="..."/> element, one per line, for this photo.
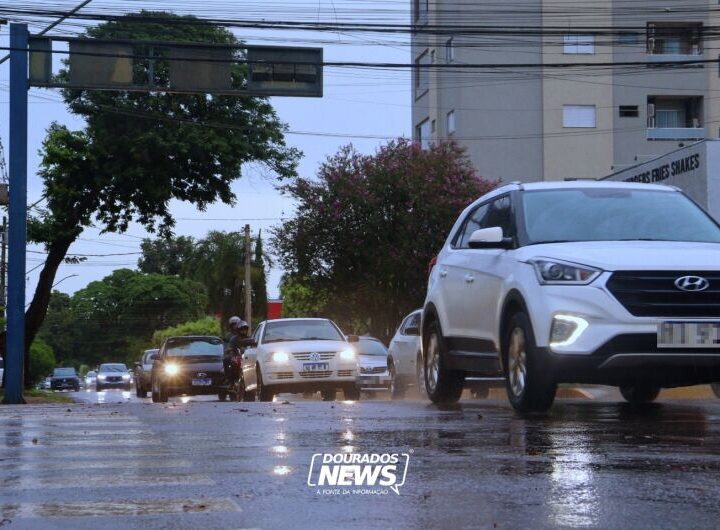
<point x="236" y="387"/>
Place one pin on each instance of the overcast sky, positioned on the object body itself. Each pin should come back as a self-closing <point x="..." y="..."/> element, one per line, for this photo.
<point x="355" y="103"/>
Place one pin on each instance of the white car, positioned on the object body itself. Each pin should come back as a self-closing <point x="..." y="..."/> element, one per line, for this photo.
<point x="404" y="356"/>
<point x="300" y="355"/>
<point x="575" y="282"/>
<point x="372" y="365"/>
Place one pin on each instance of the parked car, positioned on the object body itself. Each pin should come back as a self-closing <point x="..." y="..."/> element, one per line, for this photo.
<point x="300" y="355"/>
<point x="90" y="378"/>
<point x="404" y="356"/>
<point x="143" y="373"/>
<point x="64" y="379"/>
<point x="372" y="365"/>
<point x="113" y="375"/>
<point x="575" y="282"/>
<point x="188" y="365"/>
<point x="45" y="384"/>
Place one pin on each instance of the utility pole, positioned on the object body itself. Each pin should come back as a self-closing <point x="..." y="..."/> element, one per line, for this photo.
<point x="3" y="270"/>
<point x="248" y="285"/>
<point x="17" y="212"/>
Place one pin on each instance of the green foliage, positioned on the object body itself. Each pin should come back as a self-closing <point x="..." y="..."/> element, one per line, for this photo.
<point x="218" y="262"/>
<point x="300" y="299"/>
<point x="42" y="360"/>
<point x="204" y="326"/>
<point x="366" y="228"/>
<point x="114" y="319"/>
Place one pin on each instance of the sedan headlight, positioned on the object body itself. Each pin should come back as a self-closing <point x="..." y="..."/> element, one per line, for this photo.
<point x="172" y="369"/>
<point x="101" y="377"/>
<point x="552" y="272"/>
<point x="347" y="355"/>
<point x="280" y="357"/>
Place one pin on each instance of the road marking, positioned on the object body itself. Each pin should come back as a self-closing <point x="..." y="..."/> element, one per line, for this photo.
<point x="121" y="507"/>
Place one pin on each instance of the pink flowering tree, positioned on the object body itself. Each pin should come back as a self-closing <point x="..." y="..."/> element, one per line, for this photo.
<point x="367" y="226"/>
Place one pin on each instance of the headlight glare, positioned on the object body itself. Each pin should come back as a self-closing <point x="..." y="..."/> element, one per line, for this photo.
<point x="566" y="329"/>
<point x="280" y="357"/>
<point x="561" y="273"/>
<point x="347" y="355"/>
<point x="172" y="369"/>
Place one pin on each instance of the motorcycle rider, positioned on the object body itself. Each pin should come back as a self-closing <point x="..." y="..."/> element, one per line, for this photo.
<point x="238" y="330"/>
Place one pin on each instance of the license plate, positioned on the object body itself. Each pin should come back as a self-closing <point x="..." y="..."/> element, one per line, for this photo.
<point x="315" y="367"/>
<point x="688" y="334"/>
<point x="202" y="382"/>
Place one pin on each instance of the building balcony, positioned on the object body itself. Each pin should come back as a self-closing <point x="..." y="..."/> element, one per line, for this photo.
<point x="676" y="133"/>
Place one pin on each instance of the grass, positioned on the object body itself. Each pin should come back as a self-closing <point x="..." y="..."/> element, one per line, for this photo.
<point x="42" y="396"/>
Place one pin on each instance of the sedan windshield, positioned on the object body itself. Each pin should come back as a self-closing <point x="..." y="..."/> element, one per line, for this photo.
<point x="63" y="372"/>
<point x="195" y="348"/>
<point x="113" y="368"/>
<point x="607" y="214"/>
<point x="291" y="330"/>
<point x="371" y="347"/>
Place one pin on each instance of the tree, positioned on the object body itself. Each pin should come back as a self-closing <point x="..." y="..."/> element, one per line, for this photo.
<point x="43" y="360"/>
<point x="139" y="151"/>
<point x="366" y="228"/>
<point x="58" y="329"/>
<point x="301" y="299"/>
<point x="166" y="255"/>
<point x="203" y="326"/>
<point x="115" y="318"/>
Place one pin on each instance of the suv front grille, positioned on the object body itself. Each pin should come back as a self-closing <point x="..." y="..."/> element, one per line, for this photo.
<point x="653" y="294"/>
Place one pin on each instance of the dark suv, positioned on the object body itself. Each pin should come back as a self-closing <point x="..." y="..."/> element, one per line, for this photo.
<point x="64" y="379"/>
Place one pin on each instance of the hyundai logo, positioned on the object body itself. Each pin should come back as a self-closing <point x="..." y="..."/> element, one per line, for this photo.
<point x="692" y="283"/>
<point x="202" y="374"/>
<point x="314" y="356"/>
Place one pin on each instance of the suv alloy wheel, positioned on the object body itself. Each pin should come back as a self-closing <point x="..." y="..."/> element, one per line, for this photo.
<point x="442" y="385"/>
<point x="528" y="387"/>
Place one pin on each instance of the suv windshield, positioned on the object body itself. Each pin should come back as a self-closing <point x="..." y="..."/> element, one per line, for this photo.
<point x="301" y="330"/>
<point x="613" y="214"/>
<point x="113" y="368"/>
<point x="63" y="372"/>
<point x="209" y="347"/>
<point x="371" y="347"/>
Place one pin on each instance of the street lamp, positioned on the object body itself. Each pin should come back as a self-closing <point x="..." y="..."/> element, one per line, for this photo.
<point x="65" y="278"/>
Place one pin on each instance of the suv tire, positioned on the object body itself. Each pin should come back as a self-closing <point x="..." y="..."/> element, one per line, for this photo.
<point x="441" y="384"/>
<point x="638" y="394"/>
<point x="528" y="387"/>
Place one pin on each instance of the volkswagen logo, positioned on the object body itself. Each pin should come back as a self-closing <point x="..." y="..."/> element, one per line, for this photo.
<point x="314" y="356"/>
<point x="692" y="283"/>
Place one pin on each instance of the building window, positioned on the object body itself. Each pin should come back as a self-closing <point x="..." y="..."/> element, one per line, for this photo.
<point x="579" y="116"/>
<point x="629" y="111"/>
<point x="421" y="9"/>
<point x="450" y="125"/>
<point x="667" y="112"/>
<point x="668" y="38"/>
<point x="422" y="133"/>
<point x="579" y="44"/>
<point x="421" y="74"/>
<point x="449" y="50"/>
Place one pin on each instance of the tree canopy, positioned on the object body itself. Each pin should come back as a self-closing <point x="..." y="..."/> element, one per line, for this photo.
<point x="366" y="228"/>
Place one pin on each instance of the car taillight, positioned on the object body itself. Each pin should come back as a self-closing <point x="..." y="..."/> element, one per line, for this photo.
<point x="432" y="264"/>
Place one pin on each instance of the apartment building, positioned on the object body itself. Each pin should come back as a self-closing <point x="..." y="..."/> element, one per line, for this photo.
<point x="540" y="122"/>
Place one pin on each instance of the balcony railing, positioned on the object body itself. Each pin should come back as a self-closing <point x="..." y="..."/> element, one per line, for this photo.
<point x="673" y="133"/>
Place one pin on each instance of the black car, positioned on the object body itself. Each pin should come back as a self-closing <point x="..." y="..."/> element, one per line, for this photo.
<point x="188" y="365"/>
<point x="113" y="375"/>
<point x="64" y="379"/>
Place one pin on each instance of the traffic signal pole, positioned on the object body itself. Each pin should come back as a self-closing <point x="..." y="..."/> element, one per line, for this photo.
<point x="17" y="213"/>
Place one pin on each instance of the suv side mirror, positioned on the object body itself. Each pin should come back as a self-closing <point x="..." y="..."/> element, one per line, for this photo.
<point x="489" y="238"/>
<point x="353" y="338"/>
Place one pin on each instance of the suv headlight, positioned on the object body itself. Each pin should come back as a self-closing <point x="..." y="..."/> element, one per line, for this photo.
<point x="553" y="272"/>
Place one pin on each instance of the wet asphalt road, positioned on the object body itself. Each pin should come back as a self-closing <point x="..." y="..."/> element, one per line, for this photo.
<point x="205" y="464"/>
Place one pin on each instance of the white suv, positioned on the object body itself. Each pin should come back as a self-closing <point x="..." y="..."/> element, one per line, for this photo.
<point x="575" y="282"/>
